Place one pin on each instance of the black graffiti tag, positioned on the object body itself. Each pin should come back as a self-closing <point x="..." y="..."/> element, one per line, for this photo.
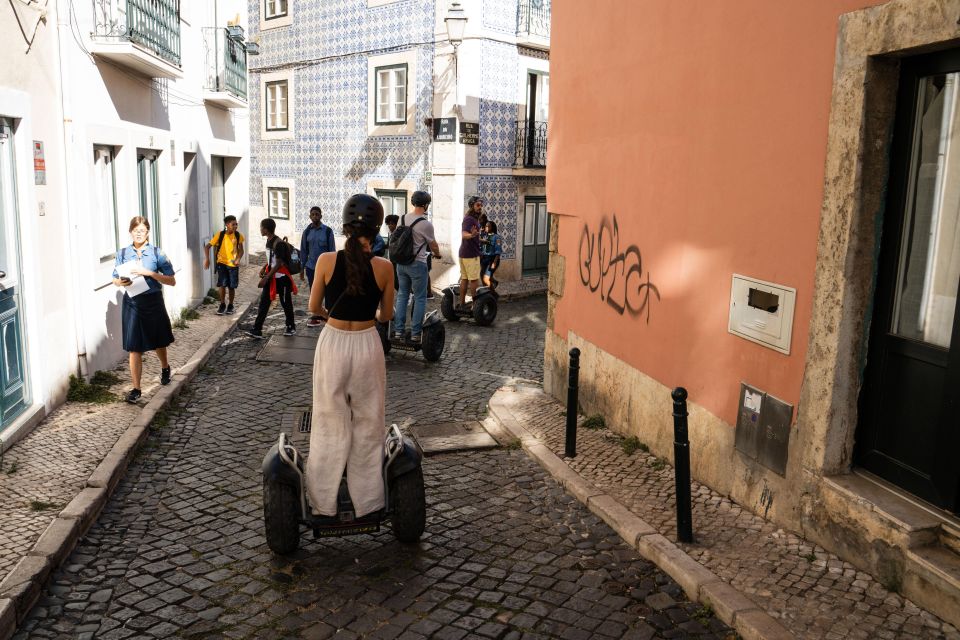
<point x="617" y="275"/>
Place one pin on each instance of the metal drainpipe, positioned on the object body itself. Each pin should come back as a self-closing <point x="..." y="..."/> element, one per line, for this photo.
<point x="71" y="213"/>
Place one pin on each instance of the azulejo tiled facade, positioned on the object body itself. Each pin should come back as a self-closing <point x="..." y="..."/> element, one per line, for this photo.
<point x="329" y="153"/>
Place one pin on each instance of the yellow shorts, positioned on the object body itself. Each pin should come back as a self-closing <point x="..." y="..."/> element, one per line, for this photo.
<point x="469" y="268"/>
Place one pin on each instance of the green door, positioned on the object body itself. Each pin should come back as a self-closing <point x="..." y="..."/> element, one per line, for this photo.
<point x="536" y="235"/>
<point x="13" y="386"/>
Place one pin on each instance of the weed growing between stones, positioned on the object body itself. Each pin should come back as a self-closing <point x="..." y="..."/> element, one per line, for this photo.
<point x="213" y="293"/>
<point x="513" y="445"/>
<point x="703" y="614"/>
<point x="632" y="444"/>
<point x="40" y="505"/>
<point x="95" y="391"/>
<point x="161" y="419"/>
<point x="12" y="469"/>
<point x="810" y="557"/>
<point x="658" y="464"/>
<point x="595" y="422"/>
<point x="186" y="314"/>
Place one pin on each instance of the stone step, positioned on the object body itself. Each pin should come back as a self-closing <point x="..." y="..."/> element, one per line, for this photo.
<point x="950" y="536"/>
<point x="931" y="578"/>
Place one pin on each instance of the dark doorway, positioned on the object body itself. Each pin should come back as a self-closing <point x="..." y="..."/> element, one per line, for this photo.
<point x="909" y="428"/>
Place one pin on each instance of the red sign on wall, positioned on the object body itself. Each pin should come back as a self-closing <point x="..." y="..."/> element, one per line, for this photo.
<point x="39" y="164"/>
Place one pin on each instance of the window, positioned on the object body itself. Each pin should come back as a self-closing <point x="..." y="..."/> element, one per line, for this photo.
<point x="275" y="9"/>
<point x="277" y="105"/>
<point x="105" y="204"/>
<point x="394" y="203"/>
<point x="149" y="192"/>
<point x="278" y="203"/>
<point x="391" y="94"/>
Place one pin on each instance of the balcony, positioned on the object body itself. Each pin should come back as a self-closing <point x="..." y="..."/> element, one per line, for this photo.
<point x="142" y="35"/>
<point x="225" y="67"/>
<point x="531" y="144"/>
<point x="533" y="24"/>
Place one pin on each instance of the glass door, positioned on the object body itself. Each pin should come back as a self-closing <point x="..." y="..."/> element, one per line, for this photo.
<point x="13" y="385"/>
<point x="536" y="235"/>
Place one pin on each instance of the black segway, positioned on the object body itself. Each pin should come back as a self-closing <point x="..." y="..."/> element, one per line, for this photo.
<point x="433" y="338"/>
<point x="286" y="509"/>
<point x="482" y="310"/>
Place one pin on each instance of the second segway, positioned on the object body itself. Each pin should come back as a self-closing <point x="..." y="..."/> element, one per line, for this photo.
<point x="482" y="310"/>
<point x="432" y="339"/>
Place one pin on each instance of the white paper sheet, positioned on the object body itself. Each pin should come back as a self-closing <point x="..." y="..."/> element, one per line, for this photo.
<point x="138" y="284"/>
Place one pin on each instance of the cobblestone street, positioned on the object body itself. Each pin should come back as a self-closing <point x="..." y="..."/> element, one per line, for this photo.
<point x="179" y="550"/>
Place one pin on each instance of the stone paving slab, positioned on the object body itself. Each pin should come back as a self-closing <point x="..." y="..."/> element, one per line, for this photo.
<point x="74" y="458"/>
<point x="452" y="436"/>
<point x="793" y="583"/>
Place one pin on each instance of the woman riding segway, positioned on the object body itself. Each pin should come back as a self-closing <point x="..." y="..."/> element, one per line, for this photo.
<point x="349" y="374"/>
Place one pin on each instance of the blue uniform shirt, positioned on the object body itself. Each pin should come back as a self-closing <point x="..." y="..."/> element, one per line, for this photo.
<point x="315" y="241"/>
<point x="152" y="258"/>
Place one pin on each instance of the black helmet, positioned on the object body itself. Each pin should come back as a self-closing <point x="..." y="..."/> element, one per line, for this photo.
<point x="362" y="210"/>
<point x="420" y="199"/>
<point x="473" y="200"/>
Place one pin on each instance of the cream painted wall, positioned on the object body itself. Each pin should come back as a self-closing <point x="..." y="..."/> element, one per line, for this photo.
<point x="74" y="102"/>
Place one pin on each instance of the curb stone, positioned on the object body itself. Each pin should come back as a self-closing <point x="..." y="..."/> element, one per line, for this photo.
<point x="700" y="584"/>
<point x="22" y="587"/>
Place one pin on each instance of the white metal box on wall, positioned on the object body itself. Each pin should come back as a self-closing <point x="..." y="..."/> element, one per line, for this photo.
<point x="762" y="312"/>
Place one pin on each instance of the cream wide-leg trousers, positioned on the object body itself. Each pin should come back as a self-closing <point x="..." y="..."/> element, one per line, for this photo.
<point x="347" y="430"/>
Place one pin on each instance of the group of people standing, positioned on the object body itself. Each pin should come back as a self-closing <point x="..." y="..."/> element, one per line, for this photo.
<point x="351" y="289"/>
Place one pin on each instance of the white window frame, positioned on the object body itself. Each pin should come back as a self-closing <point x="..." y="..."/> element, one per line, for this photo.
<point x="268" y="130"/>
<point x="392" y="126"/>
<point x="276" y="101"/>
<point x="271" y="17"/>
<point x="280" y="196"/>
<point x="104" y="191"/>
<point x="390" y="83"/>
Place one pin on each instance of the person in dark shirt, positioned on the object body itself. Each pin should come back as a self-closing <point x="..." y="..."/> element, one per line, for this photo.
<point x="316" y="240"/>
<point x="470" y="249"/>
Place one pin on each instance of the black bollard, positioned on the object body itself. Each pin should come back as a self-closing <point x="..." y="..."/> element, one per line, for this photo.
<point x="681" y="468"/>
<point x="570" y="448"/>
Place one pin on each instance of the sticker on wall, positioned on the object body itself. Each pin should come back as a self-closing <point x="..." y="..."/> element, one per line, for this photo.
<point x="39" y="164"/>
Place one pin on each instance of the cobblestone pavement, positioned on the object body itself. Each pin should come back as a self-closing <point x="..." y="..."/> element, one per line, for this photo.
<point x="179" y="550"/>
<point x="812" y="592"/>
<point x="32" y="491"/>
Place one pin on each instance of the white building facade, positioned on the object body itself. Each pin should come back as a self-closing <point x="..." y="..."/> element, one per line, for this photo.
<point x="109" y="109"/>
<point x="371" y="96"/>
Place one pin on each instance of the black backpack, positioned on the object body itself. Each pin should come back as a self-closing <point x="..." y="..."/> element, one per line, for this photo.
<point x="288" y="254"/>
<point x="219" y="242"/>
<point x="401" y="246"/>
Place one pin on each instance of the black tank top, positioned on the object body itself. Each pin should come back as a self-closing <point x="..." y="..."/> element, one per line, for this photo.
<point x="362" y="307"/>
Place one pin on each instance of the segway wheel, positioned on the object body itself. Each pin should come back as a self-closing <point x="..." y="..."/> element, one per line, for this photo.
<point x="434" y="337"/>
<point x="281" y="517"/>
<point x="446" y="307"/>
<point x="383" y="330"/>
<point x="484" y="310"/>
<point x="409" y="505"/>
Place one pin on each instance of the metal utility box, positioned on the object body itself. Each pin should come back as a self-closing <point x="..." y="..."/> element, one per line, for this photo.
<point x="762" y="312"/>
<point x="763" y="428"/>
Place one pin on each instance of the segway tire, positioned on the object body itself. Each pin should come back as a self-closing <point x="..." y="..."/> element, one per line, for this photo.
<point x="409" y="505"/>
<point x="434" y="338"/>
<point x="281" y="517"/>
<point x="484" y="310"/>
<point x="446" y="307"/>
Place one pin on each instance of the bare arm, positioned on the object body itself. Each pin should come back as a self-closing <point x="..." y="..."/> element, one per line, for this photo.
<point x="315" y="305"/>
<point x="435" y="248"/>
<point x="384" y="273"/>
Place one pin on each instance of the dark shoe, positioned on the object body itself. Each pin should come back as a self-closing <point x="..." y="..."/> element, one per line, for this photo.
<point x="397" y="335"/>
<point x="165" y="376"/>
<point x="417" y="339"/>
<point x="133" y="396"/>
<point x="254" y="333"/>
<point x="221" y="309"/>
<point x="315" y="321"/>
<point x="290" y="331"/>
<point x="229" y="309"/>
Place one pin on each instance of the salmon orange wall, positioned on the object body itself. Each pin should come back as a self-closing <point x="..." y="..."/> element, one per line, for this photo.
<point x="702" y="127"/>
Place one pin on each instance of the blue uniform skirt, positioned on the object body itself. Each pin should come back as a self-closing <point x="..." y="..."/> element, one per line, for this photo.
<point x="146" y="325"/>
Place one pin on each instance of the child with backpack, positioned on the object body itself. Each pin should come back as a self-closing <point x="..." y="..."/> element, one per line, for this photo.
<point x="276" y="280"/>
<point x="228" y="250"/>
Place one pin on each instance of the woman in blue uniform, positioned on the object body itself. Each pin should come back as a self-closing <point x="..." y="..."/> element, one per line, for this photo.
<point x="146" y="325"/>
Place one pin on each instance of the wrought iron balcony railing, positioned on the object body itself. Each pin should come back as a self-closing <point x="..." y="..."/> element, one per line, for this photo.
<point x="154" y="24"/>
<point x="533" y="18"/>
<point x="531" y="147"/>
<point x="226" y="61"/>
